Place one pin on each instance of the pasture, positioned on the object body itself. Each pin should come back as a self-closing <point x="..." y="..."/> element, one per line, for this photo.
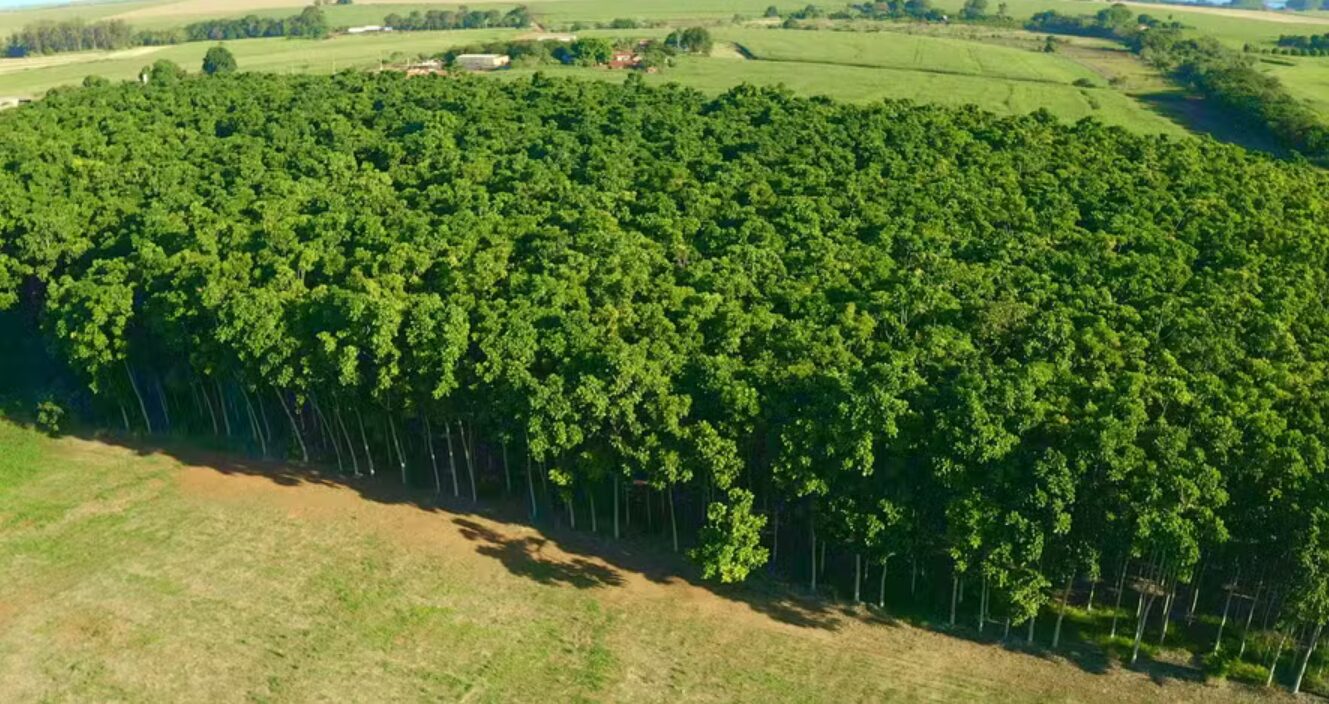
<point x="148" y="576"/>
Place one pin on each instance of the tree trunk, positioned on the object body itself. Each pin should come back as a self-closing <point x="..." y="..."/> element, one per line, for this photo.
<point x="507" y="473"/>
<point x="452" y="461"/>
<point x="142" y="407"/>
<point x="1121" y="585"/>
<point x="364" y="438"/>
<point x="331" y="432"/>
<point x="983" y="604"/>
<point x="221" y="406"/>
<point x="530" y="485"/>
<point x="1195" y="593"/>
<point x="617" y="491"/>
<point x="590" y="496"/>
<point x="1273" y="664"/>
<point x="913" y="578"/>
<point x="1061" y="614"/>
<point x="211" y="413"/>
<point x="673" y="519"/>
<point x="350" y="446"/>
<point x="1167" y="608"/>
<point x="1227" y="604"/>
<point x="572" y="510"/>
<point x="1249" y="615"/>
<point x="396" y="445"/>
<point x="813" y="527"/>
<point x="470" y="465"/>
<point x="1139" y="628"/>
<point x="881" y="588"/>
<point x="165" y="403"/>
<point x="1006" y="634"/>
<point x="304" y="451"/>
<point x="1090" y="605"/>
<point x="124" y="414"/>
<point x="775" y="536"/>
<point x="1029" y="640"/>
<point x="253" y="418"/>
<point x="1305" y="659"/>
<point x="858" y="577"/>
<point x="433" y="458"/>
<point x="263" y="415"/>
<point x="955" y="590"/>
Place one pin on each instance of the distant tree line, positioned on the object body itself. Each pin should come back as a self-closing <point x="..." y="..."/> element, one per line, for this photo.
<point x="49" y="37"/>
<point x="462" y="18"/>
<point x="587" y="51"/>
<point x="1315" y="41"/>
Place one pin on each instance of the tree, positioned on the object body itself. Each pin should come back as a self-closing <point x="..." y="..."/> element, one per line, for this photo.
<point x="218" y="60"/>
<point x="771" y="11"/>
<point x="974" y="9"/>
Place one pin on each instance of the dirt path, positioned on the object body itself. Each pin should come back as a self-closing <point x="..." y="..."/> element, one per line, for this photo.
<point x="910" y="662"/>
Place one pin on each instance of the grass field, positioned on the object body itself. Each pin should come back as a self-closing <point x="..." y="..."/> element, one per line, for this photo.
<point x="148" y="578"/>
<point x="1306" y="78"/>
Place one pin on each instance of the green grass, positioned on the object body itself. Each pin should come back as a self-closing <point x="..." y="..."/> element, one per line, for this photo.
<point x="134" y="578"/>
<point x="1306" y="79"/>
<point x="275" y="55"/>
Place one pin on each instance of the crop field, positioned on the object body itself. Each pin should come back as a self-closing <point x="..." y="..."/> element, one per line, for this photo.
<point x="133" y="577"/>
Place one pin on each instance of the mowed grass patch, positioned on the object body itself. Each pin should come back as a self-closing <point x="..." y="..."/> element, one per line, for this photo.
<point x="906" y="51"/>
<point x="139" y="578"/>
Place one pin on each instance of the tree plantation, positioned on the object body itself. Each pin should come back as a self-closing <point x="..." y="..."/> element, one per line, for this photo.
<point x="1003" y="355"/>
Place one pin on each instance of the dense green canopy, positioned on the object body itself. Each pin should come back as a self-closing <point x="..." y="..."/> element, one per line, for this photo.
<point x="1011" y="347"/>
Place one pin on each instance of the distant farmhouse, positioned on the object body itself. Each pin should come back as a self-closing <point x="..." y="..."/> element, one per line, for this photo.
<point x="481" y="62"/>
<point x="367" y="29"/>
<point x="9" y="101"/>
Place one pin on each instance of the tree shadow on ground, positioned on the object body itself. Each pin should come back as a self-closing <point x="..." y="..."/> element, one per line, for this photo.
<point x="550" y="553"/>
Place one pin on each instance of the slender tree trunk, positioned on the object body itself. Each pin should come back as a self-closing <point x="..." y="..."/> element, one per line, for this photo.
<point x="881" y="587"/>
<point x="673" y="518"/>
<point x="221" y="405"/>
<point x="1306" y="658"/>
<point x="913" y="577"/>
<point x="253" y="418"/>
<point x="124" y="413"/>
<point x="1167" y="608"/>
<point x="263" y="414"/>
<point x="331" y="432"/>
<point x="1061" y="613"/>
<point x="590" y="496"/>
<point x="1227" y="604"/>
<point x="627" y="506"/>
<point x="350" y="446"/>
<point x="364" y="437"/>
<point x="1195" y="593"/>
<point x="165" y="403"/>
<point x="1090" y="605"/>
<point x="530" y="485"/>
<point x="858" y="577"/>
<point x="1139" y="628"/>
<point x="1006" y="633"/>
<point x="452" y="461"/>
<point x="1121" y="586"/>
<point x="211" y="413"/>
<point x="572" y="510"/>
<point x="507" y="473"/>
<point x="433" y="458"/>
<point x="955" y="589"/>
<point x="617" y="490"/>
<point x="396" y="444"/>
<point x="304" y="451"/>
<point x="813" y="527"/>
<point x="775" y="536"/>
<point x="142" y="407"/>
<point x="470" y="464"/>
<point x="1241" y="650"/>
<point x="983" y="604"/>
<point x="1278" y="652"/>
<point x="1029" y="639"/>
